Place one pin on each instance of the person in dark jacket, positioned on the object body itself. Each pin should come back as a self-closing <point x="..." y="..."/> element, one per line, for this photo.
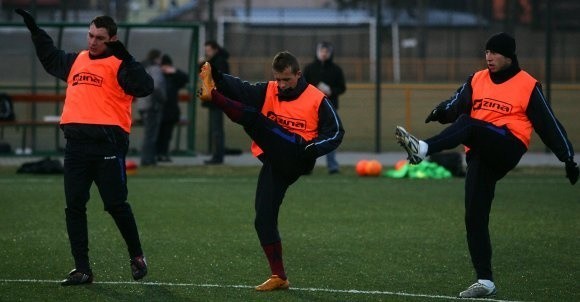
<point x="218" y="58"/>
<point x="291" y="123"/>
<point x="96" y="121"/>
<point x="329" y="78"/>
<point x="492" y="114"/>
<point x="175" y="79"/>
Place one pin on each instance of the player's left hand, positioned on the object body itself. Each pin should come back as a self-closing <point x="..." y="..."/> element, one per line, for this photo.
<point x="572" y="171"/>
<point x="28" y="20"/>
<point x="118" y="50"/>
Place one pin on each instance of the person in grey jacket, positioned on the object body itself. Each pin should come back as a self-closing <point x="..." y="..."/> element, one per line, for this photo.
<point x="151" y="108"/>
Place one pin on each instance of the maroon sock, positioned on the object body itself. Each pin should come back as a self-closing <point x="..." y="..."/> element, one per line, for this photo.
<point x="273" y="252"/>
<point x="233" y="109"/>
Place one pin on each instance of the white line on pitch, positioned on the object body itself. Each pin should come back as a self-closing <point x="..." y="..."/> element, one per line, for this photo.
<point x="309" y="289"/>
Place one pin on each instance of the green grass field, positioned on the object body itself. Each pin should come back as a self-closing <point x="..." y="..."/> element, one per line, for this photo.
<point x="345" y="238"/>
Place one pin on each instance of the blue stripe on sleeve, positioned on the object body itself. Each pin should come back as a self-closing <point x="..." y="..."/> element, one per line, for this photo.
<point x="335" y="120"/>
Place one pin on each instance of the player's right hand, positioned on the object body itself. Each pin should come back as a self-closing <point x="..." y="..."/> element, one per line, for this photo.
<point x="572" y="171"/>
<point x="28" y="20"/>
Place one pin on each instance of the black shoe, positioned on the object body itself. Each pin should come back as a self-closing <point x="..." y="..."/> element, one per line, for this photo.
<point x="138" y="267"/>
<point x="213" y="162"/>
<point x="75" y="277"/>
<point x="331" y="172"/>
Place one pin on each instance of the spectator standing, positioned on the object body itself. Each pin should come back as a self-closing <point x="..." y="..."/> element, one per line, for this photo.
<point x="151" y="108"/>
<point x="328" y="78"/>
<point x="218" y="58"/>
<point x="175" y="79"/>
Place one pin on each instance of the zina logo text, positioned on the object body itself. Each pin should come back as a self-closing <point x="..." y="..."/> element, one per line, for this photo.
<point x="287" y="122"/>
<point x="491" y="105"/>
<point x="87" y="79"/>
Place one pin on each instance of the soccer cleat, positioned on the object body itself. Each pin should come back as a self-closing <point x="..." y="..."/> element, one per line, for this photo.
<point x="273" y="283"/>
<point x="76" y="277"/>
<point x="410" y="144"/>
<point x="138" y="267"/>
<point x="478" y="290"/>
<point x="207" y="84"/>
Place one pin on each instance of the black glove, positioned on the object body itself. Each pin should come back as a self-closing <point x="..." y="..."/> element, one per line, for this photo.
<point x="118" y="50"/>
<point x="28" y="20"/>
<point x="572" y="171"/>
<point x="310" y="152"/>
<point x="435" y="115"/>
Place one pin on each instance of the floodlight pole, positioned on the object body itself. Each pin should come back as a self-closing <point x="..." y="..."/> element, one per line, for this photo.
<point x="548" y="49"/>
<point x="396" y="49"/>
<point x="211" y="20"/>
<point x="548" y="56"/>
<point x="378" y="32"/>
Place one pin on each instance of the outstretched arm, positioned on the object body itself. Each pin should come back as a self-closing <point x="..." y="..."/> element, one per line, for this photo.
<point x="55" y="61"/>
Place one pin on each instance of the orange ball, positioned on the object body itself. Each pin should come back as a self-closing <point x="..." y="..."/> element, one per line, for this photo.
<point x="400" y="164"/>
<point x="361" y="167"/>
<point x="130" y="167"/>
<point x="373" y="168"/>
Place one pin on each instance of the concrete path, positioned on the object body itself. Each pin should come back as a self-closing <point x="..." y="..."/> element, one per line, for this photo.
<point x="344" y="158"/>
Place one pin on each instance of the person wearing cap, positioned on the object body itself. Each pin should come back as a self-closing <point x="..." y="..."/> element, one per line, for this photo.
<point x="492" y="114"/>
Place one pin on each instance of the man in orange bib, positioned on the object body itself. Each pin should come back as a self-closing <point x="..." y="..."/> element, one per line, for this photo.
<point x="492" y="114"/>
<point x="96" y="120"/>
<point x="291" y="124"/>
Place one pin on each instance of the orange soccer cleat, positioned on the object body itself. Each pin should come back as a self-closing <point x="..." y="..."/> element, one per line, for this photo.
<point x="273" y="283"/>
<point x="207" y="84"/>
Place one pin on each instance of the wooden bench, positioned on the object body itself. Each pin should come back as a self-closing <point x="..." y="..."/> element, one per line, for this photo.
<point x="30" y="124"/>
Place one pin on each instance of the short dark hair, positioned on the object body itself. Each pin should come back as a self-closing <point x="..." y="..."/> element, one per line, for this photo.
<point x="153" y="55"/>
<point x="166" y="60"/>
<point x="106" y="22"/>
<point x="212" y="43"/>
<point x="285" y="59"/>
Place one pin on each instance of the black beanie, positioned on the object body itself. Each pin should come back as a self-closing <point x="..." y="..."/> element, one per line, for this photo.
<point x="503" y="44"/>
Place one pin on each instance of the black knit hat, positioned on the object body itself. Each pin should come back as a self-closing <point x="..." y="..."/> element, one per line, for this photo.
<point x="503" y="44"/>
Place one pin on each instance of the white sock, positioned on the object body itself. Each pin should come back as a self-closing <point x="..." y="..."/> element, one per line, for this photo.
<point x="423" y="148"/>
<point x="487" y="283"/>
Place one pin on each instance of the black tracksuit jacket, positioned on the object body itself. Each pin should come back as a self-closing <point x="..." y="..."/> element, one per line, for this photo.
<point x="131" y="76"/>
<point x="330" y="130"/>
<point x="539" y="112"/>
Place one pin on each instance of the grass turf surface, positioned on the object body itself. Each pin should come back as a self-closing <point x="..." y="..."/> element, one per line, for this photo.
<point x="339" y="233"/>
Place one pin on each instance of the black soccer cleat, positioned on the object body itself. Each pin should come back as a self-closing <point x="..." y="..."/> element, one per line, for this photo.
<point x="138" y="267"/>
<point x="76" y="277"/>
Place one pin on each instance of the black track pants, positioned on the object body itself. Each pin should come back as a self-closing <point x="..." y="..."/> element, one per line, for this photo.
<point x="103" y="163"/>
<point x="494" y="151"/>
